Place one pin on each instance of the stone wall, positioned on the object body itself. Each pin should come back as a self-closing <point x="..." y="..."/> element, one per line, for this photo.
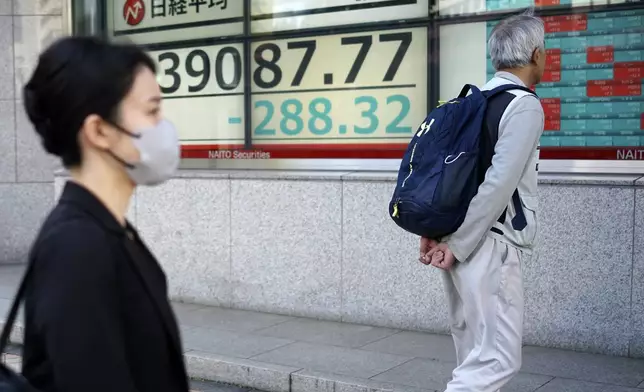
<point x="322" y="245"/>
<point x="26" y="172"/>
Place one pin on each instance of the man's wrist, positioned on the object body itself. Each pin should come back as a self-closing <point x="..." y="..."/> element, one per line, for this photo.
<point x="458" y="257"/>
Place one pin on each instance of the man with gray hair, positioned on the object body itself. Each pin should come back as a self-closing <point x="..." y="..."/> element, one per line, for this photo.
<point x="482" y="259"/>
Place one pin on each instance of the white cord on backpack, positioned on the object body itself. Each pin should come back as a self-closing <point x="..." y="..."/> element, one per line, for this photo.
<point x="448" y="161"/>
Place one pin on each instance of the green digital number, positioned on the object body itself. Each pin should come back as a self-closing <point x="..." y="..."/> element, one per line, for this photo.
<point x="394" y="125"/>
<point x="369" y="114"/>
<point x="261" y="129"/>
<point x="322" y="115"/>
<point x="292" y="124"/>
<point x="291" y="117"/>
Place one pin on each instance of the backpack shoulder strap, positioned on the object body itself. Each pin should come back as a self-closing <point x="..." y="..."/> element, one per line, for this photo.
<point x="496" y="105"/>
<point x="507" y="87"/>
<point x="498" y="100"/>
<point x="15" y="307"/>
<point x="467" y="88"/>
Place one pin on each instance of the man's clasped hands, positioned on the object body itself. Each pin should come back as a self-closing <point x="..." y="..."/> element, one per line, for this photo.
<point x="436" y="254"/>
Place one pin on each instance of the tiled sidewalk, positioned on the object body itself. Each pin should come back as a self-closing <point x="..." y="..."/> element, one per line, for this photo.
<point x="13" y="360"/>
<point x="279" y="353"/>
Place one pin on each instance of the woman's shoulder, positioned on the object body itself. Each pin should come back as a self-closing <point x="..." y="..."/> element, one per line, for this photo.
<point x="72" y="241"/>
<point x="66" y="223"/>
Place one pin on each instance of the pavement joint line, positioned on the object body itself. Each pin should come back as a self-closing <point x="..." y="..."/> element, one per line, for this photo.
<point x="259" y="330"/>
<point x="546" y="383"/>
<point x="392" y="368"/>
<point x="252" y="358"/>
<point x="398" y="332"/>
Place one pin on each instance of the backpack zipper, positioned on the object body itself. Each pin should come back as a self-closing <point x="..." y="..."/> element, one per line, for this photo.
<point x="411" y="168"/>
<point x="424" y="129"/>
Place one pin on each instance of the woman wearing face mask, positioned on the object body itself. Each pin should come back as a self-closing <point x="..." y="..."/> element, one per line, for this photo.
<point x="97" y="315"/>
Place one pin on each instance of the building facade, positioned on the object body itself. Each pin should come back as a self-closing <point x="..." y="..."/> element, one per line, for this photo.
<point x="293" y="118"/>
<point x="26" y="173"/>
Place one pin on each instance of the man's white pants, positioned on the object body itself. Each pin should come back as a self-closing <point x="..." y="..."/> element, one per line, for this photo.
<point x="485" y="300"/>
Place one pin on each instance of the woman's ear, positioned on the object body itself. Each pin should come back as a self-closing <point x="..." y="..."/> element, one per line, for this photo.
<point x="94" y="132"/>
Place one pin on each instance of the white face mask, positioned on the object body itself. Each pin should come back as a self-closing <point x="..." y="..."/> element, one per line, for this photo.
<point x="159" y="151"/>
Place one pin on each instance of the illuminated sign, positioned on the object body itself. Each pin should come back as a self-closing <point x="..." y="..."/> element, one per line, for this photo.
<point x="592" y="90"/>
<point x="464" y="7"/>
<point x="279" y="15"/>
<point x="339" y="92"/>
<point x="330" y="95"/>
<point x="362" y="94"/>
<point x="158" y="21"/>
<point x="203" y="89"/>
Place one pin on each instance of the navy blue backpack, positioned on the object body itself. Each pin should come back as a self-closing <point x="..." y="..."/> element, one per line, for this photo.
<point x="446" y="161"/>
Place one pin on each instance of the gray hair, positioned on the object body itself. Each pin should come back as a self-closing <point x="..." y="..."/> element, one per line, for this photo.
<point x="513" y="40"/>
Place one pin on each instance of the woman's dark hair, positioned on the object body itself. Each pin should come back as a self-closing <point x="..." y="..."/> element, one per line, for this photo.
<point x="76" y="77"/>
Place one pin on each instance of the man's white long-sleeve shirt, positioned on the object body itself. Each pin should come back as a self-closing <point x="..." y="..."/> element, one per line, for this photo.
<point x="514" y="166"/>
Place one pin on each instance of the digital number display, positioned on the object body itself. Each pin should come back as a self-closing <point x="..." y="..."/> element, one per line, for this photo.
<point x="157" y="21"/>
<point x="280" y="15"/>
<point x="362" y="94"/>
<point x="593" y="88"/>
<point x="465" y="7"/>
<point x="203" y="90"/>
<point x="349" y="90"/>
